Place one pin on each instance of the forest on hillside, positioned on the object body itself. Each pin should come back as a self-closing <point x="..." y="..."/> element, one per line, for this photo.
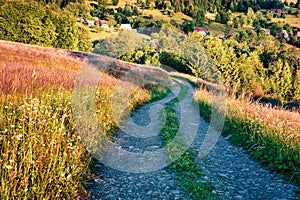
<point x="42" y="24"/>
<point x="274" y="70"/>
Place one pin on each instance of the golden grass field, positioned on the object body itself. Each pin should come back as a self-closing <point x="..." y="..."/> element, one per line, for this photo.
<point x="41" y="152"/>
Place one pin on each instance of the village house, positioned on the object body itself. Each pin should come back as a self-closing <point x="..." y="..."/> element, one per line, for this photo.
<point x="80" y="19"/>
<point x="284" y="34"/>
<point x="126" y="27"/>
<point x="266" y="31"/>
<point x="202" y="31"/>
<point x="276" y="11"/>
<point x="89" y="23"/>
<point x="102" y="23"/>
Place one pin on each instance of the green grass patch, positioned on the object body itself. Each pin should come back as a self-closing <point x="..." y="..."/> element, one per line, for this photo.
<point x="187" y="172"/>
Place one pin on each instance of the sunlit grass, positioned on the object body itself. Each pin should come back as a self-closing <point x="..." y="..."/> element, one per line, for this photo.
<point x="292" y="20"/>
<point x="42" y="155"/>
<point x="271" y="136"/>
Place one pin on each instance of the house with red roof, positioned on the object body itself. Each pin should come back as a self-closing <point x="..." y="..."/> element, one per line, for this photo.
<point x="202" y="31"/>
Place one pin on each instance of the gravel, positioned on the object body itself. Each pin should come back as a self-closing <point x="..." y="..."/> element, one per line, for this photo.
<point x="230" y="170"/>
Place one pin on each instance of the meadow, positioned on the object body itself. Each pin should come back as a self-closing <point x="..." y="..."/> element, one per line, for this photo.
<point x="270" y="135"/>
<point x="41" y="153"/>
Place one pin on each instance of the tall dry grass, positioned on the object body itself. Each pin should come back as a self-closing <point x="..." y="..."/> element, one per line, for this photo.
<point x="271" y="136"/>
<point x="41" y="154"/>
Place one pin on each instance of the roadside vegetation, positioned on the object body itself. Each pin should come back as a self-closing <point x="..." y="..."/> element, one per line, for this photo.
<point x="42" y="155"/>
<point x="269" y="135"/>
<point x="188" y="173"/>
<point x="253" y="44"/>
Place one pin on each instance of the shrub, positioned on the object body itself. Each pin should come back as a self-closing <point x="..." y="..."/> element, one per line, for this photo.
<point x="115" y="2"/>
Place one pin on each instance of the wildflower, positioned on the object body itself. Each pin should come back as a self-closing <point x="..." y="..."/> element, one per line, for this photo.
<point x="5" y="130"/>
<point x="19" y="136"/>
<point x="12" y="126"/>
<point x="11" y="161"/>
<point x="33" y="74"/>
<point x="9" y="167"/>
<point x="6" y="107"/>
<point x="31" y="161"/>
<point x="69" y="176"/>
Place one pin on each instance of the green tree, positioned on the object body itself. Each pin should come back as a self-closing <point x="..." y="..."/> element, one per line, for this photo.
<point x="79" y="9"/>
<point x="296" y="95"/>
<point x="115" y="2"/>
<point x="67" y="31"/>
<point x="281" y="80"/>
<point x="26" y="22"/>
<point x="84" y="40"/>
<point x="250" y="16"/>
<point x="31" y="22"/>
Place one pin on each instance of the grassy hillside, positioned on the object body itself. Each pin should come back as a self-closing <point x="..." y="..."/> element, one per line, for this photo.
<point x="42" y="155"/>
<point x="158" y="15"/>
<point x="290" y="19"/>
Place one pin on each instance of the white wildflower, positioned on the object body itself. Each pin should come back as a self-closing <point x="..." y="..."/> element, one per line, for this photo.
<point x="9" y="167"/>
<point x="31" y="161"/>
<point x="19" y="136"/>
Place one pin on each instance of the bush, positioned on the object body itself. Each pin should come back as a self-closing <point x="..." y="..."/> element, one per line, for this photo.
<point x="115" y="2"/>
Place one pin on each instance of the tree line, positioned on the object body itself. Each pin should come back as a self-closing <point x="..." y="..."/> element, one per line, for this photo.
<point x="245" y="68"/>
<point x="37" y="23"/>
<point x="193" y="7"/>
